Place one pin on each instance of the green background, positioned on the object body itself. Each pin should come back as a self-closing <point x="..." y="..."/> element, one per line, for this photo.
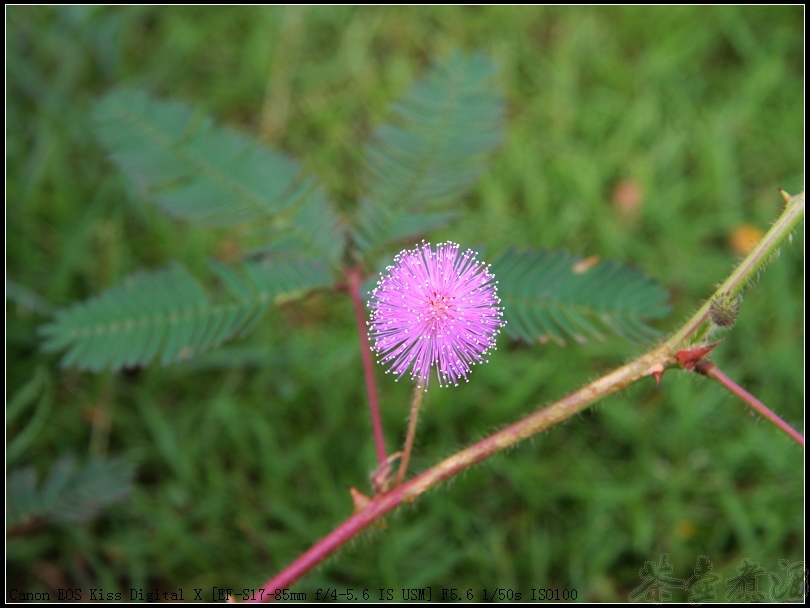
<point x="244" y="456"/>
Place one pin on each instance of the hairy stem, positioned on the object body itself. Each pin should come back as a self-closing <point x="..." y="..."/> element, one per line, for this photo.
<point x="763" y="253"/>
<point x="516" y="432"/>
<point x="709" y="369"/>
<point x="652" y="363"/>
<point x="355" y="280"/>
<point x="406" y="451"/>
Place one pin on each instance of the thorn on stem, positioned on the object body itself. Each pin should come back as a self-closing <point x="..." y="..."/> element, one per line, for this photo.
<point x="689" y="357"/>
<point x="359" y="500"/>
<point x="657" y="371"/>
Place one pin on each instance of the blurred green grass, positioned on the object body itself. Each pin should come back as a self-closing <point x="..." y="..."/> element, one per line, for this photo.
<point x="244" y="457"/>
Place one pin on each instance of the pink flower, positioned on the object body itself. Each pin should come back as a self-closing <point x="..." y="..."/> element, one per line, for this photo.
<point x="435" y="308"/>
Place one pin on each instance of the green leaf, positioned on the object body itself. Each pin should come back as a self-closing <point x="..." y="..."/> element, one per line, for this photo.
<point x="68" y="493"/>
<point x="312" y="230"/>
<point x="551" y="296"/>
<point x="378" y="224"/>
<point x="209" y="174"/>
<point x="432" y="150"/>
<point x="167" y="314"/>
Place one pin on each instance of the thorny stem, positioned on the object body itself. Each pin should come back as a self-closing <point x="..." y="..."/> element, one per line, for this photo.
<point x="709" y="369"/>
<point x="406" y="452"/>
<point x="355" y="279"/>
<point x="762" y="254"/>
<point x="652" y="363"/>
<point x="514" y="433"/>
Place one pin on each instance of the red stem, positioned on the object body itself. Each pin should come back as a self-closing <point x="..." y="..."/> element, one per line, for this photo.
<point x="355" y="279"/>
<point x="408" y="492"/>
<point x="707" y="368"/>
<point x="377" y="507"/>
<point x="652" y="364"/>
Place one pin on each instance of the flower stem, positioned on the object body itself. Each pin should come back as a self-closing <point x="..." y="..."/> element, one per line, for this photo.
<point x="355" y="280"/>
<point x="709" y="369"/>
<point x="406" y="452"/>
<point x="408" y="492"/>
<point x="652" y="363"/>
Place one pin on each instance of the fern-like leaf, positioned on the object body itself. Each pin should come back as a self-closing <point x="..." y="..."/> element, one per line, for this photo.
<point x="312" y="230"/>
<point x="210" y="174"/>
<point x="378" y="224"/>
<point x="551" y="296"/>
<point x="432" y="150"/>
<point x="68" y="493"/>
<point x="167" y="314"/>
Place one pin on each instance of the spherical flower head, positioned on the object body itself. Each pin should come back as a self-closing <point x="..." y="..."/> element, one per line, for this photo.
<point x="435" y="309"/>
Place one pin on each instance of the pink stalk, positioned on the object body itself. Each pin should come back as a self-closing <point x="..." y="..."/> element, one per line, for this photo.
<point x="516" y="432"/>
<point x="355" y="279"/>
<point x="709" y="369"/>
<point x="406" y="451"/>
<point x="652" y="364"/>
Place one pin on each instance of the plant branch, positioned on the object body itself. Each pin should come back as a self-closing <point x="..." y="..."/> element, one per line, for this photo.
<point x="516" y="432"/>
<point x="406" y="451"/>
<point x="762" y="254"/>
<point x="709" y="369"/>
<point x="355" y="280"/>
<point x="652" y="364"/>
